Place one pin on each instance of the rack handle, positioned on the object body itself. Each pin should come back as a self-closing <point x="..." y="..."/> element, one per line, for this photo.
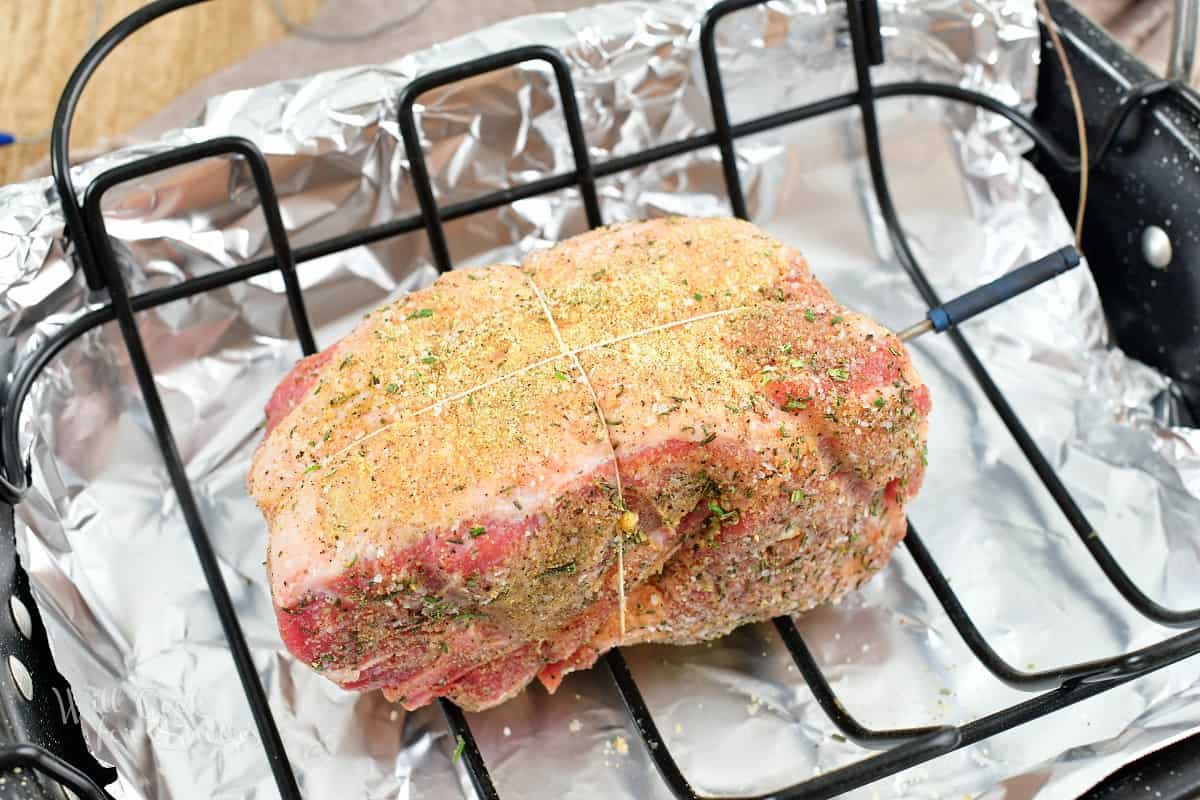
<point x="1183" y="40"/>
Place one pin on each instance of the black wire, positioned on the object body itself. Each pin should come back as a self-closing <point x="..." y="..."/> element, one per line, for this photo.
<point x="1116" y="120"/>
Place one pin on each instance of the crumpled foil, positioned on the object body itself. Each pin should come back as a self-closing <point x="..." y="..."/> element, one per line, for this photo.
<point x="117" y="580"/>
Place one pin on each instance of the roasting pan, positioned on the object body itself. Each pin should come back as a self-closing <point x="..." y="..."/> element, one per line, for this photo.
<point x="1154" y="315"/>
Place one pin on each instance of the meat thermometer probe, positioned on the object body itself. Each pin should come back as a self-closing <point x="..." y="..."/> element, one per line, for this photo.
<point x="1007" y="286"/>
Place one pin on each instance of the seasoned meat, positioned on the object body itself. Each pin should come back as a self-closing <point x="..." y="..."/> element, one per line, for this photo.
<point x="672" y="416"/>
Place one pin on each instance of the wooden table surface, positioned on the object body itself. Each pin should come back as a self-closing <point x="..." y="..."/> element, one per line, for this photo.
<point x="41" y="41"/>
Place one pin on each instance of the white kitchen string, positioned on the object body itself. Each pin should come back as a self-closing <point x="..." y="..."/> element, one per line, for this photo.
<point x="573" y="355"/>
<point x="437" y="404"/>
<point x="566" y="351"/>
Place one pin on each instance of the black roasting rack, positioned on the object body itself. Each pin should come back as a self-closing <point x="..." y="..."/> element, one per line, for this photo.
<point x="1121" y="98"/>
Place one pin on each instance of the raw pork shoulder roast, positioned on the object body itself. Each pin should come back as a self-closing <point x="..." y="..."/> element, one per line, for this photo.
<point x="653" y="432"/>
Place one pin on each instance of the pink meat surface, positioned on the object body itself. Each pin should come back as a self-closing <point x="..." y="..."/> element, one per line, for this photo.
<point x="440" y="486"/>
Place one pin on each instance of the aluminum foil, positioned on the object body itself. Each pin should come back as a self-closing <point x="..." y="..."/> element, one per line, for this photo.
<point x="117" y="580"/>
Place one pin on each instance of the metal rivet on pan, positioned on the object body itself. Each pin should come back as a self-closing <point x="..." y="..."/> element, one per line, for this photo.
<point x="21" y="616"/>
<point x="21" y="677"/>
<point x="1156" y="247"/>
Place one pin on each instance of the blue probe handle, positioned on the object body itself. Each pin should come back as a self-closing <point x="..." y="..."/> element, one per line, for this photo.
<point x="1003" y="288"/>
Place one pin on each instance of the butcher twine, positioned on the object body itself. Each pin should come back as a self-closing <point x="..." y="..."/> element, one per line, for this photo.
<point x="573" y="355"/>
<point x="612" y="450"/>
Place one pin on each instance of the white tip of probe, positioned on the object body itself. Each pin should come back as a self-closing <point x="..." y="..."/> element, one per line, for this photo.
<point x="915" y="330"/>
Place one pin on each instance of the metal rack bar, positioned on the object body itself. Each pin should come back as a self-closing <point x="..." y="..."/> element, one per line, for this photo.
<point x="285" y="778"/>
<point x="716" y="100"/>
<point x="1049" y="478"/>
<point x="11" y="490"/>
<point x="281" y="257"/>
<point x="64" y="115"/>
<point x="1182" y="57"/>
<point x="906" y="746"/>
<point x="1131" y="663"/>
<point x="472" y="759"/>
<point x="582" y="175"/>
<point x="823" y="693"/>
<point x="920" y="748"/>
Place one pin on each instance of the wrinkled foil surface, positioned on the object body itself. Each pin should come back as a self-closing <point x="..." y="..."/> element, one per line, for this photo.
<point x="116" y="577"/>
